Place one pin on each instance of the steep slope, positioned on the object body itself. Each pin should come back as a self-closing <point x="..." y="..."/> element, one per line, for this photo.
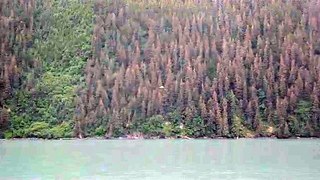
<point x="203" y="68"/>
<point x="42" y="103"/>
<point x="159" y="68"/>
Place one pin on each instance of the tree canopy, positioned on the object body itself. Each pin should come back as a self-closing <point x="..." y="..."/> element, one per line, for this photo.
<point x="160" y="68"/>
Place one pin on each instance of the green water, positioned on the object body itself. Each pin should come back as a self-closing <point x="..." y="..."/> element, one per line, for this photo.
<point x="160" y="159"/>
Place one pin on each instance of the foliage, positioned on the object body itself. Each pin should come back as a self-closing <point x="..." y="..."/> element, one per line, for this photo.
<point x="62" y="46"/>
<point x="100" y="131"/>
<point x="8" y="135"/>
<point x="168" y="129"/>
<point x="237" y="128"/>
<point x="153" y="126"/>
<point x="161" y="68"/>
<point x="303" y="111"/>
<point x="41" y="130"/>
<point x="293" y="125"/>
<point x="64" y="130"/>
<point x="173" y="126"/>
<point x="38" y="129"/>
<point x="195" y="127"/>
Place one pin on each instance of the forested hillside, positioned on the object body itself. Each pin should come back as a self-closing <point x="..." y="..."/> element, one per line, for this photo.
<point x="159" y="68"/>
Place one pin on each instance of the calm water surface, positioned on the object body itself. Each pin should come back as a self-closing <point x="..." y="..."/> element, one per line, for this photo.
<point x="160" y="159"/>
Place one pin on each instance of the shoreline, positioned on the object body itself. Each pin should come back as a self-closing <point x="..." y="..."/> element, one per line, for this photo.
<point x="154" y="138"/>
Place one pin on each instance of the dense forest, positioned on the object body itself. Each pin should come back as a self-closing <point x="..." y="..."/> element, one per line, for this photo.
<point x="159" y="68"/>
